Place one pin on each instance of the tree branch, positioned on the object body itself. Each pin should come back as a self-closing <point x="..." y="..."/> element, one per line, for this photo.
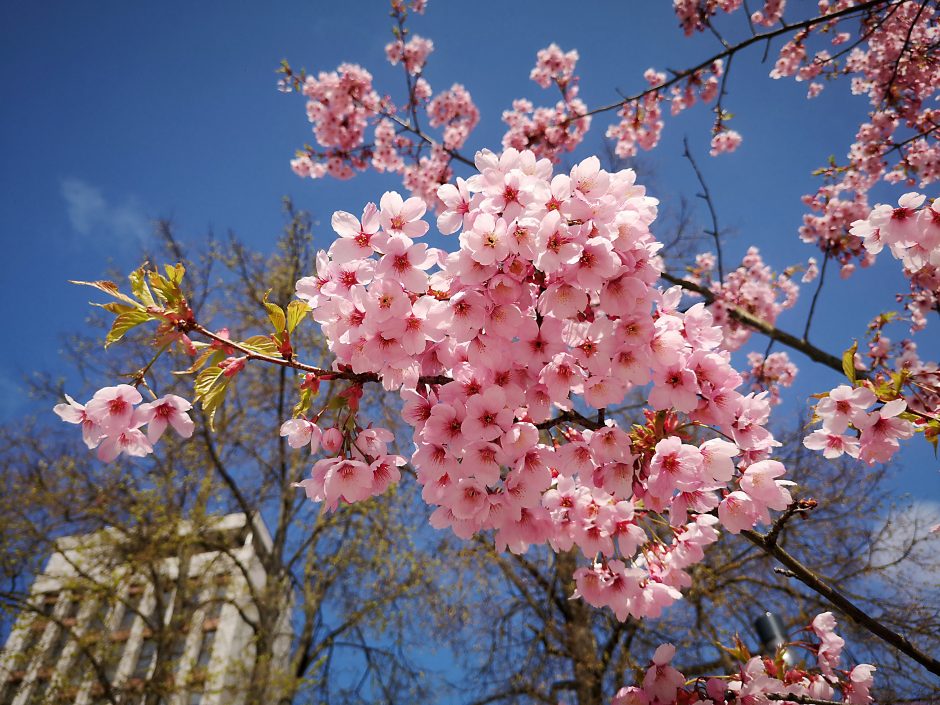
<point x="762" y="326"/>
<point x="840" y="601"/>
<point x="706" y="196"/>
<point x="571" y="416"/>
<point x="731" y="51"/>
<point x="358" y="377"/>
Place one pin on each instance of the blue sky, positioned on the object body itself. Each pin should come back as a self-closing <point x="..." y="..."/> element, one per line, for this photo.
<point x="118" y="113"/>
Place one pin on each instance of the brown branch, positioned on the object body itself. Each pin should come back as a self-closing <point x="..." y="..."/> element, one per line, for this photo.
<point x="798" y="507"/>
<point x="841" y="602"/>
<point x="762" y="326"/>
<point x="802" y="699"/>
<point x="706" y="196"/>
<point x="907" y="43"/>
<point x="358" y="377"/>
<point x="571" y="416"/>
<point x="731" y="51"/>
<point x="452" y="153"/>
<point x="819" y="286"/>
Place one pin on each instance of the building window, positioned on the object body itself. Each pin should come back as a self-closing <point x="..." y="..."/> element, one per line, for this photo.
<point x="38" y="696"/>
<point x="131" y="608"/>
<point x="28" y="648"/>
<point x="48" y="603"/>
<point x="99" y="619"/>
<point x="72" y="608"/>
<point x="148" y="648"/>
<point x="54" y="653"/>
<point x="205" y="649"/>
<point x="8" y="692"/>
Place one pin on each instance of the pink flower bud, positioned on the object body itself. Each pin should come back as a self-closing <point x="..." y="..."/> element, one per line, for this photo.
<point x="231" y="366"/>
<point x="332" y="440"/>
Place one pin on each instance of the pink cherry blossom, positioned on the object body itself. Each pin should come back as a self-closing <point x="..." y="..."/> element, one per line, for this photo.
<point x="112" y="408"/>
<point x="168" y="410"/>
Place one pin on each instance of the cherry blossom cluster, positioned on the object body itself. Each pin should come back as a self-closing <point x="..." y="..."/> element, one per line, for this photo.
<point x="363" y="468"/>
<point x="413" y="53"/>
<point x="455" y="111"/>
<point x="343" y="106"/>
<point x="752" y="287"/>
<point x="772" y="372"/>
<point x="900" y="364"/>
<point x="912" y="234"/>
<point x="899" y="73"/>
<point x="907" y="387"/>
<point x="694" y="15"/>
<point x="850" y="426"/>
<point x="893" y="63"/>
<point x="549" y="131"/>
<point x="641" y="122"/>
<point x="111" y="421"/>
<point x="770" y="13"/>
<point x="403" y="6"/>
<point x="828" y="223"/>
<point x="758" y="679"/>
<point x="339" y="105"/>
<point x="552" y="65"/>
<point x="545" y="312"/>
<point x="892" y="66"/>
<point x="725" y="140"/>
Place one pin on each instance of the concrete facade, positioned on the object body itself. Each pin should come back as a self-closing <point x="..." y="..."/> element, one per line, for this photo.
<point x="42" y="662"/>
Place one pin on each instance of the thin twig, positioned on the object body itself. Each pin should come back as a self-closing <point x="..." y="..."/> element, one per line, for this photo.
<point x="840" y="601"/>
<point x="762" y="326"/>
<point x="453" y="153"/>
<point x="706" y="196"/>
<point x="570" y="417"/>
<point x="358" y="377"/>
<point x="802" y="699"/>
<point x="819" y="286"/>
<point x="897" y="64"/>
<point x="798" y="507"/>
<point x="681" y="75"/>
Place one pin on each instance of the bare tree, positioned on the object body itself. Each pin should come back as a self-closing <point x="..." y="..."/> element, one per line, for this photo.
<point x="336" y="583"/>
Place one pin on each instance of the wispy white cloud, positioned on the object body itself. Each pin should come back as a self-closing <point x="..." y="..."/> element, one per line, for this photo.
<point x="92" y="215"/>
<point x="906" y="545"/>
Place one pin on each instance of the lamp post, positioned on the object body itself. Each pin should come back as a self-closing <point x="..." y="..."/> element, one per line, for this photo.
<point x="772" y="635"/>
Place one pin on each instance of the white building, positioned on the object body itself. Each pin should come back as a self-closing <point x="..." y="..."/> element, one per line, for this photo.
<point x="87" y="603"/>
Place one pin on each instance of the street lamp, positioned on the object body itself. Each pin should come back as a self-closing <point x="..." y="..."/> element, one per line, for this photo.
<point x="772" y="635"/>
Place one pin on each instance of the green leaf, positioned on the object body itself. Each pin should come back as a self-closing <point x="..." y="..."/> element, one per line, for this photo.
<point x="116" y="308"/>
<point x="899" y="380"/>
<point x="109" y="288"/>
<point x="213" y="400"/>
<point x="296" y="311"/>
<point x="208" y="353"/>
<point x="261" y="344"/>
<point x="206" y="379"/>
<point x="124" y="322"/>
<point x="848" y="362"/>
<point x="303" y="405"/>
<point x="139" y="288"/>
<point x="932" y="434"/>
<point x="211" y="386"/>
<point x="275" y="313"/>
<point x="166" y="290"/>
<point x="175" y="273"/>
